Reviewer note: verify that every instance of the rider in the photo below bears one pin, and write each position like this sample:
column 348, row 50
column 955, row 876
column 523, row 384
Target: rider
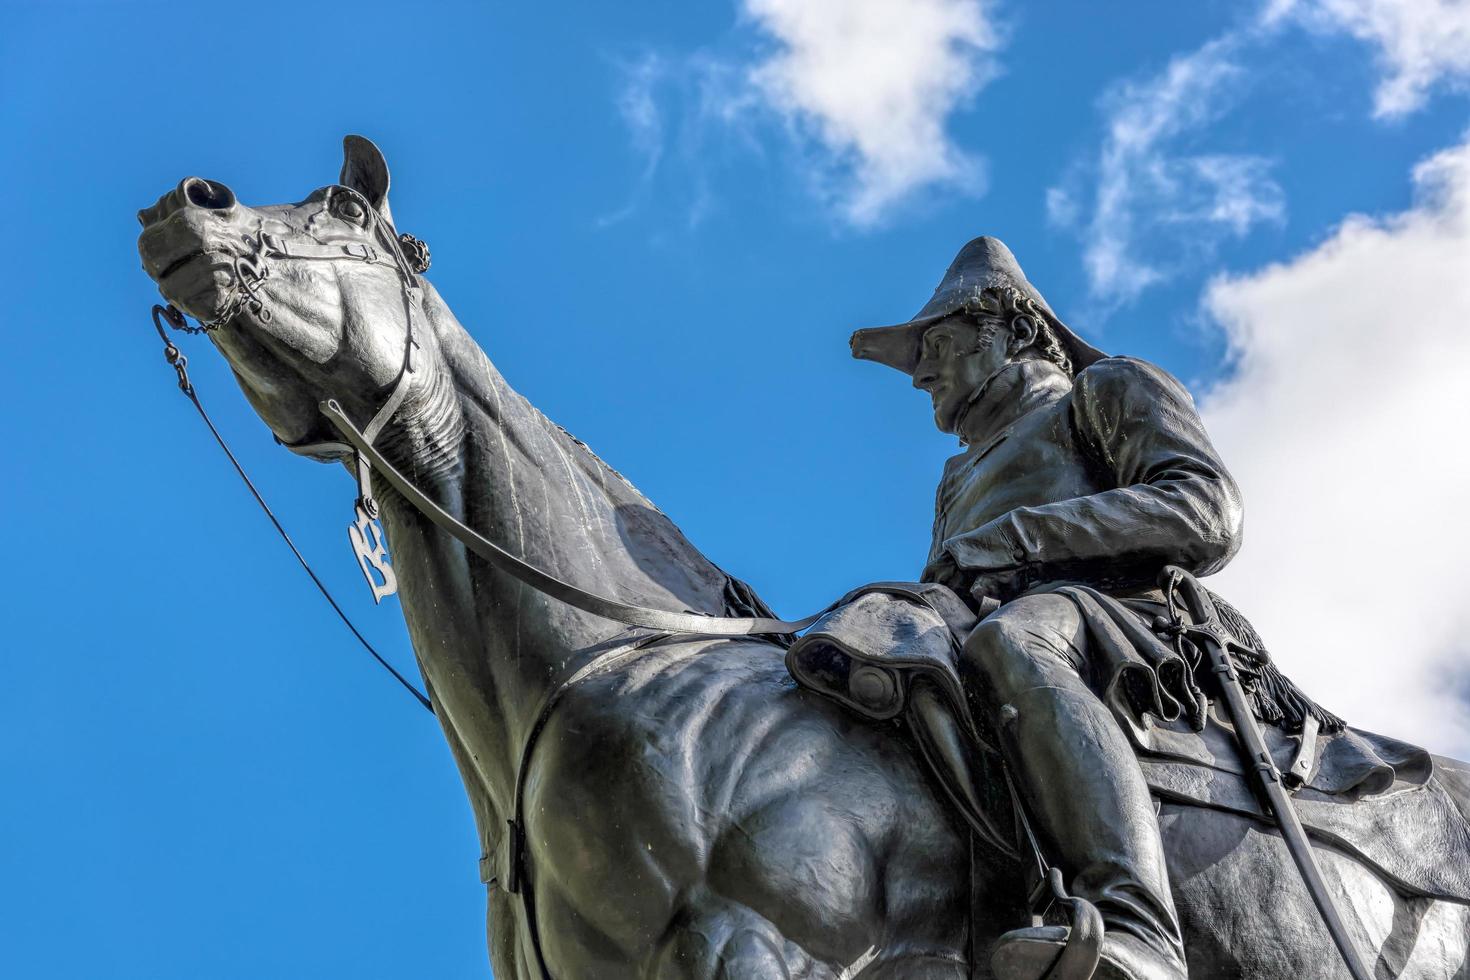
column 1082, row 476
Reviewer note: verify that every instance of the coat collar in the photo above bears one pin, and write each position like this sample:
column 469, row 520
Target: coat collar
column 1020, row 390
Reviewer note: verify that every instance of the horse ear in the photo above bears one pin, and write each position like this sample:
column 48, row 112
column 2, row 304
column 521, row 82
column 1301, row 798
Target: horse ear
column 365, row 171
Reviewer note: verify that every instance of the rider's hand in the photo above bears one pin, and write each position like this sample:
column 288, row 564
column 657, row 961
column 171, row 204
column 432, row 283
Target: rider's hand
column 1001, row 585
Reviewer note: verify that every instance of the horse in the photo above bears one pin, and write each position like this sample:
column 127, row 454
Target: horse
column 681, row 810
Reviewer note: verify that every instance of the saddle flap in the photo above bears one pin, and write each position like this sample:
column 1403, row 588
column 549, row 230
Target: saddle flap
column 865, row 652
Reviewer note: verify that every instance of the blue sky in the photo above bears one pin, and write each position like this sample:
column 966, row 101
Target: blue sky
column 662, row 220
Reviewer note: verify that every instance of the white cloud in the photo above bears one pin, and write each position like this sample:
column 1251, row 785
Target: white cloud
column 865, row 87
column 1420, row 42
column 1153, row 206
column 1345, row 422
column 873, row 83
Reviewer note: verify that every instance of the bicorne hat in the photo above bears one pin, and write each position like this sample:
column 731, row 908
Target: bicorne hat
column 984, row 263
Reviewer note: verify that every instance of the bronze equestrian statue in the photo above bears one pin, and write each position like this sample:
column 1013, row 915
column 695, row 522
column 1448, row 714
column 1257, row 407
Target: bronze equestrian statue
column 655, row 803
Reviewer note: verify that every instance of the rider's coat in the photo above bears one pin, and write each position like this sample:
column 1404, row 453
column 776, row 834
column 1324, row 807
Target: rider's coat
column 1102, row 483
column 1089, row 488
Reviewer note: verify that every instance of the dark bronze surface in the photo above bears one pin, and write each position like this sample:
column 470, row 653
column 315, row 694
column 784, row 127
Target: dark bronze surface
column 685, row 810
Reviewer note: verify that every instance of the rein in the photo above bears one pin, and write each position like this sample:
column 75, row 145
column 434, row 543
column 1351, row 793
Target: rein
column 251, row 271
column 180, row 364
column 545, row 582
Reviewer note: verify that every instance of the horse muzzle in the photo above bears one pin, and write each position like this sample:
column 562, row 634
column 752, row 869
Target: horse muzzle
column 189, row 244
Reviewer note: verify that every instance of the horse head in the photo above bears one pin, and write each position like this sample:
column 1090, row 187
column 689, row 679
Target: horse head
column 306, row 301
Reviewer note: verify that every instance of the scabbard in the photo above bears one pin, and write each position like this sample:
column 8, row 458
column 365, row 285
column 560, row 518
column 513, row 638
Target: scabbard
column 1214, row 641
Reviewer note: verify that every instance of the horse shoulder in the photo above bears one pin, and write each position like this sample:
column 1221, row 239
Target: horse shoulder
column 701, row 766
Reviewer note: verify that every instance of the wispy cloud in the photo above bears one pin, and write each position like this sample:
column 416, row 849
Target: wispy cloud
column 1344, row 422
column 689, row 110
column 860, row 91
column 1420, row 43
column 639, row 111
column 1146, row 208
column 1143, row 207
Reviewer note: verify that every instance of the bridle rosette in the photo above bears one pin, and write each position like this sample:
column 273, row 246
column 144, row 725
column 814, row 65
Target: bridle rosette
column 415, row 252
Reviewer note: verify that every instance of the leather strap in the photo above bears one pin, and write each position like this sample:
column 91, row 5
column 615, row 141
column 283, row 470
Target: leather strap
column 544, row 582
column 412, row 297
column 515, row 880
column 361, row 251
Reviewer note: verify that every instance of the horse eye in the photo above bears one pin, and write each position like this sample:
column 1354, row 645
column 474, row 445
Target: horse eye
column 350, row 210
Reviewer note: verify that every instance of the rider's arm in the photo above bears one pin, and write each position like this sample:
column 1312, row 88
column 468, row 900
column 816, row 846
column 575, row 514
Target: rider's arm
column 1173, row 502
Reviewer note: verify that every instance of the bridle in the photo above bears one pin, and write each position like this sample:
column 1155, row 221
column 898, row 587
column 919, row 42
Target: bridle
column 387, row 252
column 251, row 270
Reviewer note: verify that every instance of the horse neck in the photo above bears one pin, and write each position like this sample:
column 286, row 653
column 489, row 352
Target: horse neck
column 492, row 648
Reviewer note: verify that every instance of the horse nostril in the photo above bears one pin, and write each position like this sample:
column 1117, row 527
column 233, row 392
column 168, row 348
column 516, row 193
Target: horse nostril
column 207, row 194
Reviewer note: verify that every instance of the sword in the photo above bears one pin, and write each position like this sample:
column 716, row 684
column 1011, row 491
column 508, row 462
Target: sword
column 1215, row 642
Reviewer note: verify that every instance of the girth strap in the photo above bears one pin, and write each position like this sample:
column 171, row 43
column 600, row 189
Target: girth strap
column 516, row 881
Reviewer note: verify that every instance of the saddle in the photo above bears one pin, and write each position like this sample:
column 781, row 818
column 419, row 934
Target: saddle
column 1392, row 806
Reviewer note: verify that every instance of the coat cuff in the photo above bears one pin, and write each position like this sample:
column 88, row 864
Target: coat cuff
column 986, row 549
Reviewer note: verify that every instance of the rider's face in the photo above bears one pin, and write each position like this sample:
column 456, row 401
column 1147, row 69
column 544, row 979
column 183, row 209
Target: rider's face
column 956, row 357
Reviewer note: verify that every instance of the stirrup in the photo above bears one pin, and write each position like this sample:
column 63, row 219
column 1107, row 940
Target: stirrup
column 1041, row 952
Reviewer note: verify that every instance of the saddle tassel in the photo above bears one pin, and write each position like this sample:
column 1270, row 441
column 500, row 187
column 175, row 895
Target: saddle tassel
column 1275, row 698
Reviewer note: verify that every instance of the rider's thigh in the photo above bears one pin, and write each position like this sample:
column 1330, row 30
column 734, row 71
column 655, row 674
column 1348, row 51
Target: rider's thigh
column 1033, row 641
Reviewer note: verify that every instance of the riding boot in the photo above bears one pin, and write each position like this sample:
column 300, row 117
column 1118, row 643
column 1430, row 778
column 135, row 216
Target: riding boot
column 1088, row 800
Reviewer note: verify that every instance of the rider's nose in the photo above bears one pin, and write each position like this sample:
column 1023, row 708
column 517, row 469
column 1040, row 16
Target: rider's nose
column 192, row 192
column 924, row 379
